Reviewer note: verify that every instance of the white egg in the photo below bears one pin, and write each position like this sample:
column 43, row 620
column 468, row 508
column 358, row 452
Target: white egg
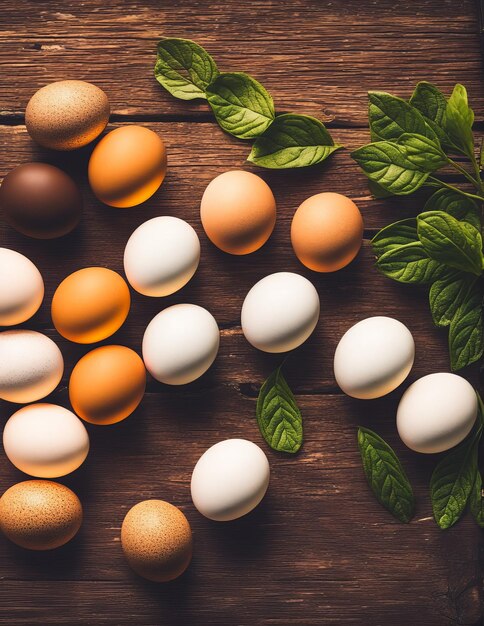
column 436, row 412
column 373, row 357
column 21, row 288
column 31, row 366
column 161, row 256
column 180, row 344
column 45, row 440
column 230, row 479
column 280, row 312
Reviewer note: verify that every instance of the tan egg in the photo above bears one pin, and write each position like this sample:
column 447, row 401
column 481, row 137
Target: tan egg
column 40, row 514
column 107, row 384
column 238, row 212
column 326, row 232
column 67, row 114
column 90, row 305
column 157, row 540
column 127, row 166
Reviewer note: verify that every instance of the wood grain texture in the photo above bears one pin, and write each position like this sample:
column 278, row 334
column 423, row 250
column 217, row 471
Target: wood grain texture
column 319, row 549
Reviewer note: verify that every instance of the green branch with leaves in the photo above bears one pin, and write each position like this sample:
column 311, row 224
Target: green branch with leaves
column 442, row 247
column 242, row 107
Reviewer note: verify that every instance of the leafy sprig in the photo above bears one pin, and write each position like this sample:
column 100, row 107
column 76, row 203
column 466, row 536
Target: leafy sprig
column 443, row 246
column 242, row 107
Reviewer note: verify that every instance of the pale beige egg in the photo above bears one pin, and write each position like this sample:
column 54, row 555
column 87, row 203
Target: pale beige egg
column 67, row 114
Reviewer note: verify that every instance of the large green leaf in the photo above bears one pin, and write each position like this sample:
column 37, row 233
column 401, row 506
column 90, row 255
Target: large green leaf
column 461, row 207
column 447, row 294
column 385, row 475
column 409, row 263
column 456, row 244
column 466, row 332
column 184, row 68
column 242, row 106
column 395, row 235
column 423, row 152
column 387, row 164
column 432, row 104
column 292, row 141
column 391, row 117
column 278, row 415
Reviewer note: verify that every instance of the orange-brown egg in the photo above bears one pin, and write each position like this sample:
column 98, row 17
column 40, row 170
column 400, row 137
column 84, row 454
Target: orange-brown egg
column 90, row 305
column 107, row 384
column 127, row 166
column 326, row 232
column 238, row 212
column 40, row 514
column 157, row 540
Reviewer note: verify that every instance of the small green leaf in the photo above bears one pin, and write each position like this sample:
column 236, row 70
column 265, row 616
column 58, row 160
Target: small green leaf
column 456, row 244
column 278, row 415
column 447, row 294
column 459, row 118
column 387, row 164
column 466, row 332
column 385, row 475
column 184, row 68
column 481, row 155
column 391, row 117
column 452, row 481
column 242, row 106
column 395, row 235
column 476, row 500
column 292, row 141
column 429, row 101
column 455, row 204
column 423, row 152
column 409, row 263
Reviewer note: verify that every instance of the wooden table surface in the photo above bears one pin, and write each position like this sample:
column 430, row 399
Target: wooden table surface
column 319, row 549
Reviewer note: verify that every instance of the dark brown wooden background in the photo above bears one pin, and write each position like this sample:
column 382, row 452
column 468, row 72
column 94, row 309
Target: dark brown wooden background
column 319, row 549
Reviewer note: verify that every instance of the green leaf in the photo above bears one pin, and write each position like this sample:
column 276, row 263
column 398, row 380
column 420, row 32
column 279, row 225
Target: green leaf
column 184, row 68
column 387, row 164
column 391, row 117
column 447, row 294
column 481, row 156
column 377, row 190
column 241, row 105
column 476, row 500
column 455, row 204
column 409, row 263
column 430, row 101
column 459, row 118
column 466, row 332
column 278, row 415
column 456, row 244
column 395, row 235
column 423, row 152
column 385, row 475
column 292, row 141
column 452, row 481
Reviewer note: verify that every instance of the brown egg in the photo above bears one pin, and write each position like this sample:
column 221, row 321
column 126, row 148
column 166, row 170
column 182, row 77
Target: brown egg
column 67, row 114
column 238, row 212
column 326, row 232
column 107, row 384
column 90, row 305
column 40, row 514
column 157, row 540
column 127, row 166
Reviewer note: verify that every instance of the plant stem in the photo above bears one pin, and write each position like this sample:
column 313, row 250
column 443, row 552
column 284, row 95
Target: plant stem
column 461, row 191
column 477, row 184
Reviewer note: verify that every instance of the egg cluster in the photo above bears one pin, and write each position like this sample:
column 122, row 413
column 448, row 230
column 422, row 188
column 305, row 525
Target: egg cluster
column 279, row 313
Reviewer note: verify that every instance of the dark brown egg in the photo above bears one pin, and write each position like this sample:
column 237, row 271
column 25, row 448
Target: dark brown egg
column 40, row 201
column 40, row 514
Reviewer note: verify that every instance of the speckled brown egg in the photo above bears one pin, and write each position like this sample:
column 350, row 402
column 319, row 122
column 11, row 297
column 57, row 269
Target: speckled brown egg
column 67, row 114
column 157, row 540
column 40, row 514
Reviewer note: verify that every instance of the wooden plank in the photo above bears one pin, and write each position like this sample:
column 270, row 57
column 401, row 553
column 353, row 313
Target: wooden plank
column 318, row 540
column 345, row 50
